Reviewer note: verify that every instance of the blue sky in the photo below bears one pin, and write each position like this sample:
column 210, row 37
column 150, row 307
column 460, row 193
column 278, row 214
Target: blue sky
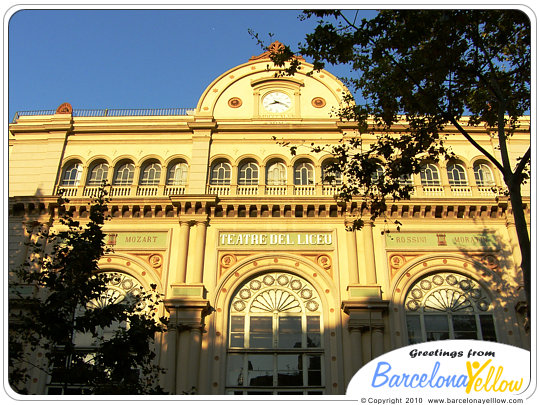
column 133, row 58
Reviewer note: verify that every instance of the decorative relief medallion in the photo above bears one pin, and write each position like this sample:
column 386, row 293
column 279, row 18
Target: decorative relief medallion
column 155, row 260
column 228, row 260
column 318, row 102
column 324, row 261
column 235, row 102
column 396, row 261
column 490, row 261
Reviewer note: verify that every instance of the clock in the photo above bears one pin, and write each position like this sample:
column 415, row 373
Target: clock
column 276, row 102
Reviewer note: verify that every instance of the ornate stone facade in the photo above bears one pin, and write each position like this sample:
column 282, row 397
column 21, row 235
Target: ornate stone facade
column 266, row 290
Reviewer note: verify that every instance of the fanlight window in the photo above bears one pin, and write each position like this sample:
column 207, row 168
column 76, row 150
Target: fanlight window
column 304, row 174
column 221, row 174
column 276, row 174
column 248, row 175
column 483, row 175
column 429, row 175
column 150, row 175
column 275, row 337
column 98, row 174
column 124, row 174
column 448, row 306
column 177, row 174
column 456, row 175
column 120, row 288
column 72, row 175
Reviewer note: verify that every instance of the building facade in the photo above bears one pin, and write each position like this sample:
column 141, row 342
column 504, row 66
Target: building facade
column 266, row 290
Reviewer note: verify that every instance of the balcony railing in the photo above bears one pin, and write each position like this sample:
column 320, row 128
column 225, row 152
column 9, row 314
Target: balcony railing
column 433, row 191
column 219, row 189
column 276, row 190
column 247, row 190
column 304, row 190
column 175, row 190
column 120, row 191
column 112, row 112
column 319, row 190
column 488, row 191
column 147, row 191
column 461, row 191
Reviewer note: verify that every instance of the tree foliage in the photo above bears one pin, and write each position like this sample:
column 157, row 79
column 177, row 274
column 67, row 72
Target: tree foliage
column 429, row 68
column 70, row 302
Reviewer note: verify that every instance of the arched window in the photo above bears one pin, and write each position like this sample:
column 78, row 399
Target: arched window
column 448, row 306
column 483, row 175
column 72, row 174
column 120, row 287
column 331, row 174
column 377, row 174
column 98, row 174
column 150, row 174
column 177, row 174
column 275, row 337
column 276, row 174
column 248, row 174
column 429, row 175
column 124, row 174
column 220, row 174
column 304, row 174
column 456, row 175
column 406, row 180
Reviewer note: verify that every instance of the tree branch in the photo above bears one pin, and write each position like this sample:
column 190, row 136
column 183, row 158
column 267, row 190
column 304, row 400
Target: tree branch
column 523, row 162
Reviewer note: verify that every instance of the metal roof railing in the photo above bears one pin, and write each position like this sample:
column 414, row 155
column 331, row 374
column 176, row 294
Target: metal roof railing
column 113, row 112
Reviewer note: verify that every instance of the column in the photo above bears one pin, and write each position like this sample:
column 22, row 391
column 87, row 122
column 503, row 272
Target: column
column 514, row 244
column 200, row 243
column 355, row 331
column 369, row 252
column 352, row 254
column 169, row 365
column 183, row 252
column 377, row 341
column 194, row 357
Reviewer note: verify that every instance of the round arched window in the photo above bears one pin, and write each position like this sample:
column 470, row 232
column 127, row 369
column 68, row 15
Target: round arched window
column 429, row 175
column 98, row 174
column 220, row 174
column 275, row 337
column 448, row 306
column 248, row 174
column 456, row 175
column 72, row 174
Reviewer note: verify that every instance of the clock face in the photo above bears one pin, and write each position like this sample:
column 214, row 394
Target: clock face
column 276, row 102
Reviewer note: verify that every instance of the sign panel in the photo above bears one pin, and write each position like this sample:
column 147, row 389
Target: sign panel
column 137, row 240
column 457, row 240
column 276, row 239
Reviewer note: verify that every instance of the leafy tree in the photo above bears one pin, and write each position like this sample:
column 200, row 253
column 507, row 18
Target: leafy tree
column 70, row 303
column 432, row 67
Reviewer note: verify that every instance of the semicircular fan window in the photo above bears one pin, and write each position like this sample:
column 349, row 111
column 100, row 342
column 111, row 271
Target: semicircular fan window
column 120, row 287
column 448, row 306
column 275, row 337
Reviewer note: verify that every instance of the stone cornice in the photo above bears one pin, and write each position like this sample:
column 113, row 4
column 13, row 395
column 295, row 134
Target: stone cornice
column 205, row 206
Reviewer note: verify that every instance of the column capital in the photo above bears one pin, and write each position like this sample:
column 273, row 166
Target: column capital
column 187, row 313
